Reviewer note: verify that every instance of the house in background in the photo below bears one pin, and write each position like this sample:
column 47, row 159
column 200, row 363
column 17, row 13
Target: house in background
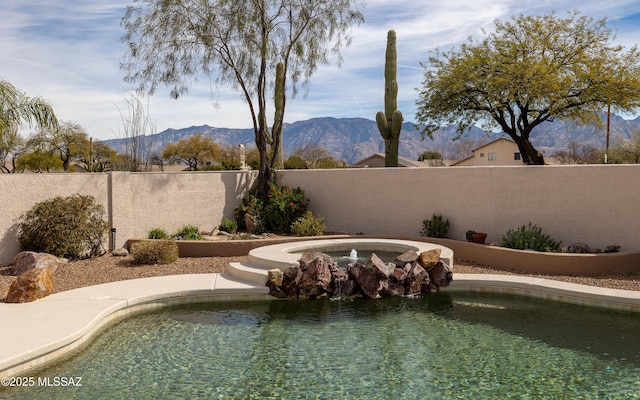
column 501, row 151
column 377, row 161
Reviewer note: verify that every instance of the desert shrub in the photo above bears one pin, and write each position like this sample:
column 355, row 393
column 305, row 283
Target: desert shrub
column 576, row 248
column 308, row 225
column 612, row 248
column 154, row 252
column 436, row 227
column 157, row 233
column 529, row 237
column 72, row 227
column 275, row 214
column 188, row 232
column 228, row 225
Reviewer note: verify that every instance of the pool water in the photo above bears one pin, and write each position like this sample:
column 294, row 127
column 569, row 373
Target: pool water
column 440, row 346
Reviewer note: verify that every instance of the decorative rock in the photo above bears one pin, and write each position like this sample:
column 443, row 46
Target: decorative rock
column 290, row 280
column 275, row 276
column 344, row 286
column 309, row 258
column 276, row 291
column 406, row 258
column 316, row 278
column 251, row 222
column 317, row 275
column 369, row 281
column 578, row 248
column 417, row 279
column 121, row 252
column 395, row 284
column 429, row 258
column 30, row 286
column 440, row 275
column 27, row 260
column 378, row 267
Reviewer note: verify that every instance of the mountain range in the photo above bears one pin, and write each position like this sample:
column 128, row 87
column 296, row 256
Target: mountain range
column 352, row 139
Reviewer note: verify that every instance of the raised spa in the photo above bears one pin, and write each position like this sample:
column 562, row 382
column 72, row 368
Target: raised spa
column 283, row 255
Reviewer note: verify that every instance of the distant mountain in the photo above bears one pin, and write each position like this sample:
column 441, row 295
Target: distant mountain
column 352, row 139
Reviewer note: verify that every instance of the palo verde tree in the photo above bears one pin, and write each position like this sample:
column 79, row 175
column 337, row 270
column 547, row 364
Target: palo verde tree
column 528, row 71
column 239, row 44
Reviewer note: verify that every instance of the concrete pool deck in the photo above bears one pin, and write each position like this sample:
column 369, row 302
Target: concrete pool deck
column 42, row 331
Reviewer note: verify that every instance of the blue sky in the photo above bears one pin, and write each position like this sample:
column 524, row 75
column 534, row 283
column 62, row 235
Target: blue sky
column 68, row 52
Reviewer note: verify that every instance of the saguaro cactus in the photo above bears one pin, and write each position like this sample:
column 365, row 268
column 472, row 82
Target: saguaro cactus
column 390, row 121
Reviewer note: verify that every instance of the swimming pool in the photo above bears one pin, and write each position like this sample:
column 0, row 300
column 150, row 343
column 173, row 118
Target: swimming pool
column 445, row 345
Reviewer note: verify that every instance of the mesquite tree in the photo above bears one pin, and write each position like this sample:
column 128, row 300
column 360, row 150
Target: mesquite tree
column 528, row 71
column 237, row 43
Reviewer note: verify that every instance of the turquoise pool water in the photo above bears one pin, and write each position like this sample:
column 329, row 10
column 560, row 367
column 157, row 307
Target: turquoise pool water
column 440, row 346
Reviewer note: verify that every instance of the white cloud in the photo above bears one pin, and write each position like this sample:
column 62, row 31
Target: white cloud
column 68, row 52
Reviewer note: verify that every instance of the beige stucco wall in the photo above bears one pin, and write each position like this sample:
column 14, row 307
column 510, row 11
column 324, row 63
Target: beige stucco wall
column 594, row 204
column 19, row 192
column 142, row 201
column 135, row 202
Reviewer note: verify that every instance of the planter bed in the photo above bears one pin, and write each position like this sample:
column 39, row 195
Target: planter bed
column 230, row 248
column 535, row 262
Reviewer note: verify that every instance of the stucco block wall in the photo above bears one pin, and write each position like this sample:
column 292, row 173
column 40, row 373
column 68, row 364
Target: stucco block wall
column 595, row 204
column 134, row 202
column 20, row 192
column 142, row 201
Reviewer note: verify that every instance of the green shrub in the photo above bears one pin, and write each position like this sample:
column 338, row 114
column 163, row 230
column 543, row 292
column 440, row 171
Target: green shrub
column 188, row 232
column 72, row 227
column 275, row 214
column 157, row 233
column 436, row 227
column 228, row 225
column 308, row 225
column 154, row 252
column 529, row 237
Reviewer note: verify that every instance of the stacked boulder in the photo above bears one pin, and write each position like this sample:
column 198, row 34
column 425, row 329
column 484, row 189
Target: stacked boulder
column 317, row 275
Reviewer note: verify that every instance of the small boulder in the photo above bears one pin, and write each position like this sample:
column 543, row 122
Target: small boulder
column 429, row 258
column 309, row 258
column 378, row 267
column 395, row 286
column 578, row 248
column 251, row 223
column 275, row 276
column 121, row 252
column 405, row 258
column 344, row 286
column 370, row 282
column 290, row 280
column 417, row 279
column 30, row 286
column 276, row 291
column 28, row 260
column 316, row 278
column 440, row 275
